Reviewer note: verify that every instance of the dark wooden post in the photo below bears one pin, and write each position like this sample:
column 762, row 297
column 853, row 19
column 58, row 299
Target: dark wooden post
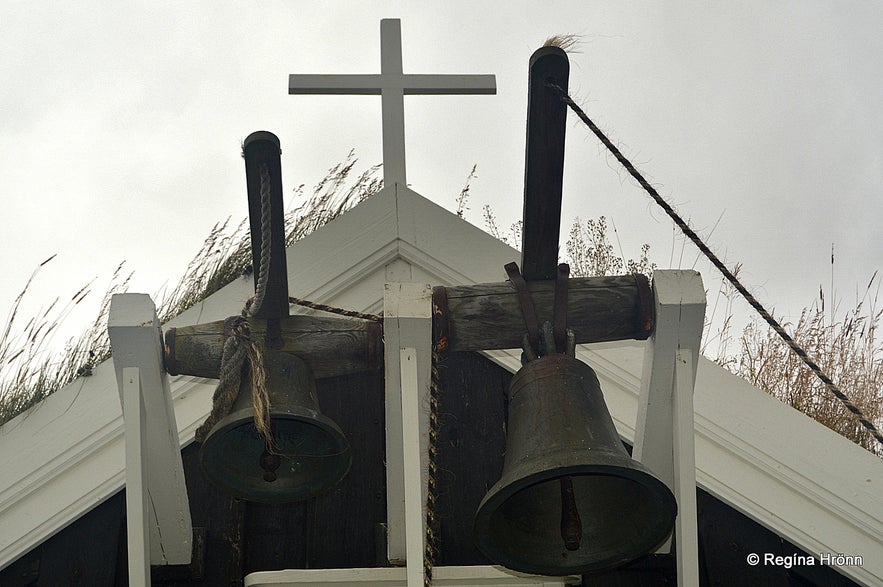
column 332, row 346
column 544, row 164
column 262, row 148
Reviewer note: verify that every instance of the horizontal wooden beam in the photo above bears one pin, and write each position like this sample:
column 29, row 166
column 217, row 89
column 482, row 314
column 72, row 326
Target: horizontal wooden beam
column 332, row 346
column 488, row 316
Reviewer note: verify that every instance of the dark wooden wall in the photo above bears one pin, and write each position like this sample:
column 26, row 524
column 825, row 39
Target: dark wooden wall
column 341, row 528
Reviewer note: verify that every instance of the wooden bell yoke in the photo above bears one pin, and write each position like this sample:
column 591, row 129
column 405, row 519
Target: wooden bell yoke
column 466, row 318
column 600, row 309
column 330, row 345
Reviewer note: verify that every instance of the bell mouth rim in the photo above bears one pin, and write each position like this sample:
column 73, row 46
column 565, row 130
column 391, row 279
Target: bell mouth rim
column 342, row 456
column 501, row 492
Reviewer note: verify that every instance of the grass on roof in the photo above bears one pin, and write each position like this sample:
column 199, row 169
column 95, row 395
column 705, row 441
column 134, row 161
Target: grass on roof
column 31, row 365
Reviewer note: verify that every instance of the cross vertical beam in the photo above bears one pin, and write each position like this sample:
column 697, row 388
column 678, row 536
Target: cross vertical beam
column 392, row 103
column 392, row 84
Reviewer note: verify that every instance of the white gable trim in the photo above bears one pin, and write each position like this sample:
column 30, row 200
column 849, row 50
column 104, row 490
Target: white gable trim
column 774, row 464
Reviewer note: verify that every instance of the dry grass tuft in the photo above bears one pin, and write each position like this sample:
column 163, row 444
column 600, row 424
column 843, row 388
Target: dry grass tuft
column 590, row 252
column 848, row 351
column 567, row 43
column 31, row 365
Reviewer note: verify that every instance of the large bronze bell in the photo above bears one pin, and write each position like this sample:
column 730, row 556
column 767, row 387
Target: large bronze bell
column 311, row 454
column 570, row 499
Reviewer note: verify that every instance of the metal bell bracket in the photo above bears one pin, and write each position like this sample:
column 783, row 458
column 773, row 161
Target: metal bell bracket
column 552, row 337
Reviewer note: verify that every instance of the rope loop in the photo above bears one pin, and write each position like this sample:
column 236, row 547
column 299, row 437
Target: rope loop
column 242, row 357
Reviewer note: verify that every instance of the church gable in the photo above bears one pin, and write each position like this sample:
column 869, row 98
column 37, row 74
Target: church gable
column 816, row 491
column 342, row 529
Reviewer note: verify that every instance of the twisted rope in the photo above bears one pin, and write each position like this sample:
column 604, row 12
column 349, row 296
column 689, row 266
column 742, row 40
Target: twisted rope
column 430, row 552
column 260, row 288
column 241, row 355
column 729, row 275
column 333, row 310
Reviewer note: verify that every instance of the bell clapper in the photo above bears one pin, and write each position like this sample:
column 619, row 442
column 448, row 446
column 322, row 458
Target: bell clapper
column 571, row 525
column 269, row 463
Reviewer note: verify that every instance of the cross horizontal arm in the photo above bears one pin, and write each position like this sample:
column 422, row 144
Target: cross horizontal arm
column 449, row 84
column 373, row 84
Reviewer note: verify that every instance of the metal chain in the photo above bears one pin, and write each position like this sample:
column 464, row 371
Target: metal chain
column 729, row 275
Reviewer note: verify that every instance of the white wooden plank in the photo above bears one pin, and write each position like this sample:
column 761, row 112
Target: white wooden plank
column 135, row 341
column 413, row 467
column 137, row 511
column 679, row 303
column 680, row 312
column 477, row 576
column 687, row 522
column 407, row 323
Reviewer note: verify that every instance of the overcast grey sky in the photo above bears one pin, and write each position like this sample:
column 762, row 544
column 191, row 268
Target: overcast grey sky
column 122, row 124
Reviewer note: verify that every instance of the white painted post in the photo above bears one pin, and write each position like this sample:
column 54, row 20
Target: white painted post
column 411, row 439
column 137, row 523
column 664, row 430
column 392, row 84
column 407, row 323
column 686, row 531
column 135, row 340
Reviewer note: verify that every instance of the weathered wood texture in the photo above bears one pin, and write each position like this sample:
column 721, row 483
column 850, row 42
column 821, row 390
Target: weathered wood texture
column 472, row 415
column 544, row 163
column 262, row 148
column 331, row 346
column 488, row 316
column 84, row 553
column 335, row 529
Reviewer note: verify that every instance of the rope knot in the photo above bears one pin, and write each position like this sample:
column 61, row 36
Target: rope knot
column 242, row 363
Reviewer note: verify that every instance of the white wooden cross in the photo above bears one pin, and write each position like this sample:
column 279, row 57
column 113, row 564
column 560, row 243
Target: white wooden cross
column 392, row 85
